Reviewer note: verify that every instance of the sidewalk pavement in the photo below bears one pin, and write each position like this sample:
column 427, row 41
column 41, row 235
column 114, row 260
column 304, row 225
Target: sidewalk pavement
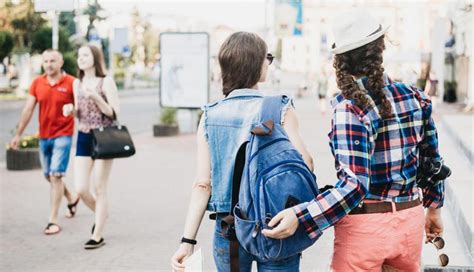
column 457, row 147
column 148, row 200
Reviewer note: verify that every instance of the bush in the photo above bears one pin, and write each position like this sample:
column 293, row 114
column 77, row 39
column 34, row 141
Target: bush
column 70, row 64
column 42, row 40
column 27, row 141
column 168, row 116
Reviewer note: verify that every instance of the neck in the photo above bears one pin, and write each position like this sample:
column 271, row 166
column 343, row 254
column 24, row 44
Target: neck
column 52, row 78
column 255, row 87
column 89, row 73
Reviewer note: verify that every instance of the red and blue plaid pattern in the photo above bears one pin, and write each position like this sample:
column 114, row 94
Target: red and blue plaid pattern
column 375, row 158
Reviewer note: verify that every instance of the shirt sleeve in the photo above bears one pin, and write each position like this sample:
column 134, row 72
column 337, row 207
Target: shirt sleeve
column 433, row 197
column 352, row 144
column 33, row 88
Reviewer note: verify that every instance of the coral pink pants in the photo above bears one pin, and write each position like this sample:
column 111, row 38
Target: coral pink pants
column 365, row 242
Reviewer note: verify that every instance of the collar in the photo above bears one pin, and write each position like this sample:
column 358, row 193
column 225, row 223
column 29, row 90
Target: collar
column 244, row 92
column 362, row 82
column 61, row 79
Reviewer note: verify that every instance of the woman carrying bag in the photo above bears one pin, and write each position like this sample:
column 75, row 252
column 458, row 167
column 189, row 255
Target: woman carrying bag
column 244, row 62
column 97, row 105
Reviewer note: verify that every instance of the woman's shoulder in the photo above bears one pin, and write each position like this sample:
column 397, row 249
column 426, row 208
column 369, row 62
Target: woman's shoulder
column 108, row 80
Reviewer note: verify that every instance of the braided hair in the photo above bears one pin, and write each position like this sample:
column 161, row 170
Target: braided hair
column 363, row 61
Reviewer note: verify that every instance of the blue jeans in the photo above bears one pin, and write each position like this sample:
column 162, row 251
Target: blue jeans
column 54, row 155
column 222, row 259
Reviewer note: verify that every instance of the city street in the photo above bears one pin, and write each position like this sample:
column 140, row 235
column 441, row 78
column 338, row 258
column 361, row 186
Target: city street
column 148, row 199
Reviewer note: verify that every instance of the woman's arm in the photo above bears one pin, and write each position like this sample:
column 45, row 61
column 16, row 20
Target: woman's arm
column 75, row 92
column 291, row 127
column 201, row 192
column 352, row 144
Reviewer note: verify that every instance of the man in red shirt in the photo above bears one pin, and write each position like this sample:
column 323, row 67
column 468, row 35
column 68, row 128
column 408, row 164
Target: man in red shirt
column 52, row 91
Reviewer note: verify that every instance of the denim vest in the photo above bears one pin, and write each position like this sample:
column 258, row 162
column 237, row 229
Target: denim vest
column 227, row 124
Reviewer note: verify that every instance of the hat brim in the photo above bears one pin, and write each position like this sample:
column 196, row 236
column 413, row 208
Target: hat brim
column 351, row 46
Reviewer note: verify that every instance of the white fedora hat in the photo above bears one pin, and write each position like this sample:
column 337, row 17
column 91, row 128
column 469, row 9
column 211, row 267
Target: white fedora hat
column 355, row 29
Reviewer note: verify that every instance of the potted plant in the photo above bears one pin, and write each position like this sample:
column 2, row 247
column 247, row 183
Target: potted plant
column 168, row 125
column 450, row 91
column 26, row 157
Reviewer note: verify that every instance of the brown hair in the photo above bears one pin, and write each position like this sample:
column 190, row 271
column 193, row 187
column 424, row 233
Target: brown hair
column 241, row 57
column 99, row 62
column 363, row 61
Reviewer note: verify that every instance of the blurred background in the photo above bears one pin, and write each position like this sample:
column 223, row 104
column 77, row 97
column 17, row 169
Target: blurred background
column 429, row 41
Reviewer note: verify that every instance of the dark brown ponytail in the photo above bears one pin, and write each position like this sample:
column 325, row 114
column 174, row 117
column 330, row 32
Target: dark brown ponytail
column 363, row 61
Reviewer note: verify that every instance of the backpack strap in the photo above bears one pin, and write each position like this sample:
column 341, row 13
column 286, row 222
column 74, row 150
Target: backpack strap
column 271, row 109
column 227, row 223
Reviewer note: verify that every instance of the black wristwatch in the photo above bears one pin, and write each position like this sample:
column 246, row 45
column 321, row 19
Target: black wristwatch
column 188, row 241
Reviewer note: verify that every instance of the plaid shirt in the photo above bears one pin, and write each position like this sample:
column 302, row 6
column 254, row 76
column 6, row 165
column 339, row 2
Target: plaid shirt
column 375, row 159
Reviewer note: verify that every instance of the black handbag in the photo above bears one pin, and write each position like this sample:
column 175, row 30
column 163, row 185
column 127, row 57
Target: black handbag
column 112, row 142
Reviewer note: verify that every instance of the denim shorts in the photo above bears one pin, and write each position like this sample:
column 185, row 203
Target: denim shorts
column 54, row 155
column 84, row 144
column 222, row 257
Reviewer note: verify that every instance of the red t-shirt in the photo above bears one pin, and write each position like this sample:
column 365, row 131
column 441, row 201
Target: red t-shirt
column 51, row 100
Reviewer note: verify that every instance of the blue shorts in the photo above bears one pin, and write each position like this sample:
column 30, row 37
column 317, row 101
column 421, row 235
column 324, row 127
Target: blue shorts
column 84, row 144
column 54, row 155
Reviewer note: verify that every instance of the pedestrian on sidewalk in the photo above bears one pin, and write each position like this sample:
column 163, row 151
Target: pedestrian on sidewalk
column 96, row 105
column 52, row 91
column 323, row 86
column 244, row 62
column 377, row 128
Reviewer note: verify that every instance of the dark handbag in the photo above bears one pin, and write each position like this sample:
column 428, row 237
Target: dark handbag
column 112, row 142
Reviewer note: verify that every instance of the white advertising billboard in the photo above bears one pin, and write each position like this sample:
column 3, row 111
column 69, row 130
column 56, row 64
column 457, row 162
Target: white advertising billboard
column 54, row 5
column 184, row 73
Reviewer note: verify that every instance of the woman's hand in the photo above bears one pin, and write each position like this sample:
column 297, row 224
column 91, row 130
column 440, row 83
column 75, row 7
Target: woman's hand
column 184, row 251
column 286, row 224
column 433, row 224
column 68, row 109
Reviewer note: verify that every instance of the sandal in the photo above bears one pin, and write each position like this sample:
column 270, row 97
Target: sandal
column 46, row 230
column 72, row 208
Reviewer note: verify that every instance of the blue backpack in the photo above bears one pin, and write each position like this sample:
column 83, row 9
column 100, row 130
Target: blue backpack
column 273, row 176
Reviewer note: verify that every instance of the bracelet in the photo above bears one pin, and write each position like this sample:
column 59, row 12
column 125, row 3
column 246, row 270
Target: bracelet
column 188, row 241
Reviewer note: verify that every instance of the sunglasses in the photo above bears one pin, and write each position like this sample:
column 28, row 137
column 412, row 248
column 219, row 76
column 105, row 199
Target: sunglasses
column 270, row 58
column 439, row 243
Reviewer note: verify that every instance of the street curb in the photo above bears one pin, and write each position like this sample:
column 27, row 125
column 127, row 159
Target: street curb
column 432, row 268
column 452, row 202
column 454, row 206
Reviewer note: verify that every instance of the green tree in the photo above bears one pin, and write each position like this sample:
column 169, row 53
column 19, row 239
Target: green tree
column 24, row 22
column 6, row 44
column 42, row 40
column 66, row 20
column 70, row 64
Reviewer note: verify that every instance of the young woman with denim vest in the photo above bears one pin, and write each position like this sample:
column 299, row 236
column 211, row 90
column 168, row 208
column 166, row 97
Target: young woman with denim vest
column 381, row 131
column 96, row 105
column 223, row 128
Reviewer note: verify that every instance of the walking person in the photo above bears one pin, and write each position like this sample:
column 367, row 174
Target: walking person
column 244, row 61
column 52, row 91
column 381, row 132
column 323, row 88
column 96, row 105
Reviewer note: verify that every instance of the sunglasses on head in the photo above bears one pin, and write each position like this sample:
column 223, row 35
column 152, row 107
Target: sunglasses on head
column 270, row 58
